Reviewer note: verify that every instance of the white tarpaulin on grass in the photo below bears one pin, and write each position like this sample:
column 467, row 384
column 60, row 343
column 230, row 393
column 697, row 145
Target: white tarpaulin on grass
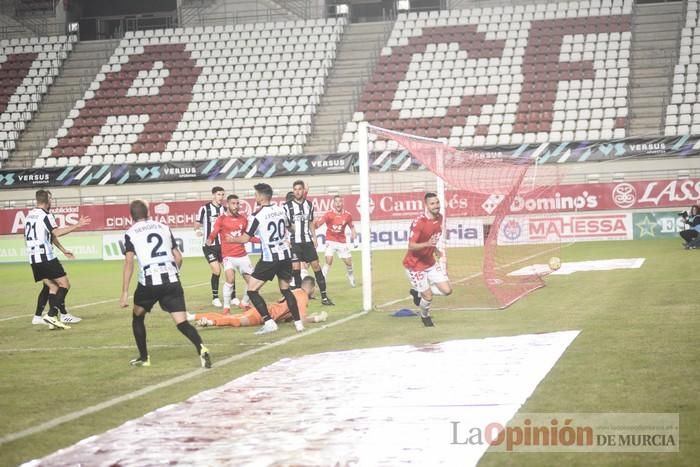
column 371, row 407
column 581, row 266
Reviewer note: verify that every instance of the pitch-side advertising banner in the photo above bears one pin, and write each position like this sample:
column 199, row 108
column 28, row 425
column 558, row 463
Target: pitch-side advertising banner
column 83, row 246
column 553, row 228
column 387, row 206
column 657, row 224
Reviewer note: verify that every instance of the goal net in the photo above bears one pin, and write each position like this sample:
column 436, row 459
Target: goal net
column 492, row 253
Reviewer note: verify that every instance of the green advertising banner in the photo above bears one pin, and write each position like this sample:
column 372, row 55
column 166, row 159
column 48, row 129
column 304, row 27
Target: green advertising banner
column 657, row 224
column 83, row 246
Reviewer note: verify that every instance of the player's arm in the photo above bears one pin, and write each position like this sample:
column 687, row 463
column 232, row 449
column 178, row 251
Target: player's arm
column 215, row 230
column 177, row 255
column 57, row 242
column 61, row 231
column 197, row 226
column 353, row 232
column 312, row 226
column 126, row 278
column 414, row 244
column 245, row 237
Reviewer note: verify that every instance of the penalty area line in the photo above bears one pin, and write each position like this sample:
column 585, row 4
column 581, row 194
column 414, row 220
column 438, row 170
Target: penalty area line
column 101, row 302
column 164, row 384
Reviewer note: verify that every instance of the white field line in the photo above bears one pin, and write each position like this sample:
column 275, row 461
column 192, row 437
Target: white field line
column 169, row 382
column 116, row 347
column 101, row 302
column 475, row 275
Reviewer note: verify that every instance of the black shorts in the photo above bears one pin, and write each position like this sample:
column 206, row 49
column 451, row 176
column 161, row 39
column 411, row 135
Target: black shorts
column 212, row 253
column 305, row 252
column 48, row 270
column 170, row 297
column 267, row 270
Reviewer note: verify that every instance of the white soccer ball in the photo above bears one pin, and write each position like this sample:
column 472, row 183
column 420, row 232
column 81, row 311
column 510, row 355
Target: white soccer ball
column 554, row 263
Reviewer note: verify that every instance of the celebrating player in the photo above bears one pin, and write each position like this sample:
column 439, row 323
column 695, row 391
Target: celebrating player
column 300, row 213
column 278, row 311
column 235, row 258
column 270, row 223
column 40, row 231
column 421, row 268
column 154, row 247
column 336, row 221
column 206, row 218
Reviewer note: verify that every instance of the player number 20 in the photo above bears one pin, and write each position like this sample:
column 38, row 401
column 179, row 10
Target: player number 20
column 277, row 230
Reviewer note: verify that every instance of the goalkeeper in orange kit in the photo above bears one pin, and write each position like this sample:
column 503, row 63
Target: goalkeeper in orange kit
column 278, row 311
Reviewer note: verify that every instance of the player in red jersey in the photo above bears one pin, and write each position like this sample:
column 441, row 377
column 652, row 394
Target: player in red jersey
column 421, row 268
column 336, row 220
column 235, row 257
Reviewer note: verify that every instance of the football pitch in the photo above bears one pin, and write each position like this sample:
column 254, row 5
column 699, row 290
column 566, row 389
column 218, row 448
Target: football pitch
column 637, row 351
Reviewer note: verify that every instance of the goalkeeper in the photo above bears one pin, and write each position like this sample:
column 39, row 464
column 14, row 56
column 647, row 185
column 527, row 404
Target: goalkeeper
column 278, row 311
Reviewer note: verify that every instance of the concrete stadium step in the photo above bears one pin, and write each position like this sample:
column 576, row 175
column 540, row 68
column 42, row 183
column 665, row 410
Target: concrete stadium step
column 69, row 86
column 654, row 51
column 354, row 63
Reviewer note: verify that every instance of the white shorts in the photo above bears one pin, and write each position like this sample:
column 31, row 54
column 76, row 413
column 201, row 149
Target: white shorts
column 421, row 280
column 337, row 247
column 241, row 264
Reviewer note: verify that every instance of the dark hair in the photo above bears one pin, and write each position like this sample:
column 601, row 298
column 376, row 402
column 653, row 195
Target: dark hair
column 42, row 196
column 299, row 182
column 337, row 196
column 230, row 197
column 264, row 189
column 430, row 194
column 309, row 279
column 138, row 210
column 216, row 189
column 290, row 196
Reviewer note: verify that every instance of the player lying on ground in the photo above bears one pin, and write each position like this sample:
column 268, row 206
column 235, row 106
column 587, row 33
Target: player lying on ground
column 421, row 268
column 278, row 311
column 40, row 233
column 235, row 257
column 153, row 246
column 336, row 220
column 270, row 224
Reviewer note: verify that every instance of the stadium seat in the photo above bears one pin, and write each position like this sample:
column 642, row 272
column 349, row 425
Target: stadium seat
column 193, row 91
column 499, row 82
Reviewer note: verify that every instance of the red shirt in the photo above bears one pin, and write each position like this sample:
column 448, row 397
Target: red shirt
column 236, row 226
column 423, row 229
column 335, row 225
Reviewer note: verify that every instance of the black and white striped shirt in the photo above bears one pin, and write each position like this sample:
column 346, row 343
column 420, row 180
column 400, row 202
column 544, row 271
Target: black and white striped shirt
column 152, row 243
column 300, row 216
column 206, row 216
column 37, row 234
column 270, row 224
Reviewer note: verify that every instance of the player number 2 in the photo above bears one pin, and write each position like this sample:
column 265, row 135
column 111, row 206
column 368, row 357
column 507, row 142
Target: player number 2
column 276, row 230
column 159, row 243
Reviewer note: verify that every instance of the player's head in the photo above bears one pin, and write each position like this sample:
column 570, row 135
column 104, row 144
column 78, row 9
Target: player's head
column 308, row 285
column 299, row 190
column 138, row 210
column 694, row 210
column 233, row 204
column 43, row 198
column 432, row 203
column 338, row 203
column 263, row 193
column 290, row 196
column 217, row 194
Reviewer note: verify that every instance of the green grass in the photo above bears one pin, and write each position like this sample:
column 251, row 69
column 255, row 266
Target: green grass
column 637, row 351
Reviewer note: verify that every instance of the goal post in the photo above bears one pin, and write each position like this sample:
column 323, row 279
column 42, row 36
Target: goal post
column 490, row 258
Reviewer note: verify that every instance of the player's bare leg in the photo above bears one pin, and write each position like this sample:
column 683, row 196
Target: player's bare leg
column 215, row 275
column 184, row 326
column 259, row 304
column 321, row 281
column 349, row 272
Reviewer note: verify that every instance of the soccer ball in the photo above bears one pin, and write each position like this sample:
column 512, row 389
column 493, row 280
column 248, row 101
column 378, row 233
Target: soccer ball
column 554, row 263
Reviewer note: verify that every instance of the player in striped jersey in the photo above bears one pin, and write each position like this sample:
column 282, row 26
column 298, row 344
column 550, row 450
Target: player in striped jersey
column 270, row 223
column 206, row 218
column 300, row 212
column 336, row 220
column 40, row 232
column 153, row 246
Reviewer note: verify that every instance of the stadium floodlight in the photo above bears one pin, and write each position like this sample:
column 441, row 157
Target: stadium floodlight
column 403, row 5
column 342, row 10
column 73, row 28
column 492, row 246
